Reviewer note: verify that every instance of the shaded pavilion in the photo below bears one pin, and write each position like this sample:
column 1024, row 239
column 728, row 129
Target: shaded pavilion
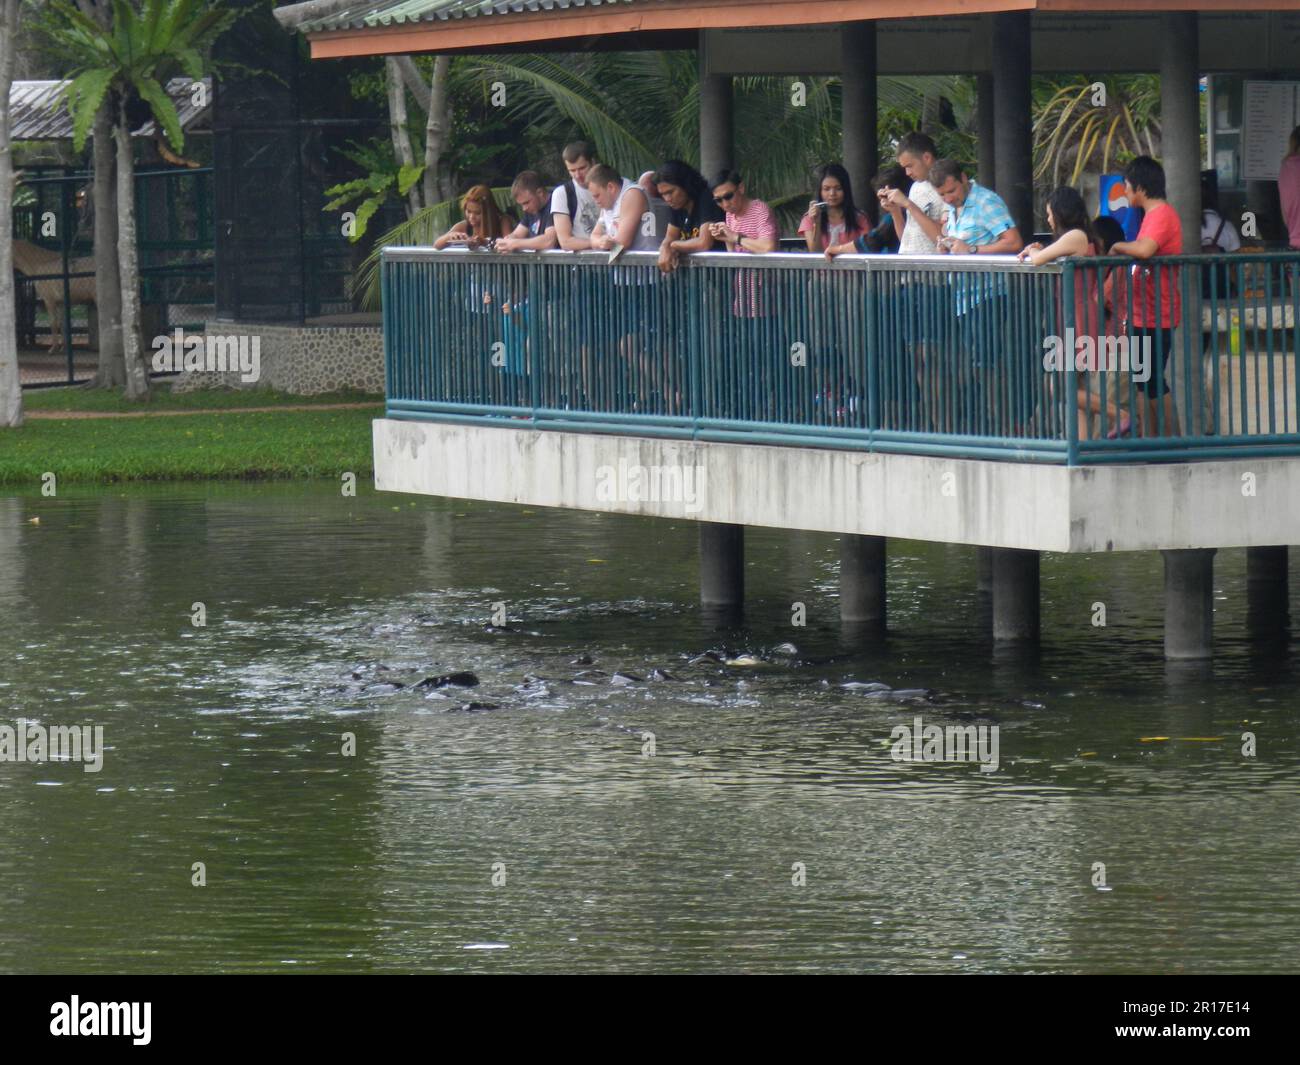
column 1002, row 42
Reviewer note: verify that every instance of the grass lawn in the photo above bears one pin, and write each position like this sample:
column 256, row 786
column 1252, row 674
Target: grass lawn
column 271, row 444
column 161, row 398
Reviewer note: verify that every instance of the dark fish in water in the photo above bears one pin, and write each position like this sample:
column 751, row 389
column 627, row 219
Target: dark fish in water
column 911, row 693
column 623, row 680
column 460, row 680
column 659, row 674
column 581, row 660
column 866, row 686
column 587, row 674
column 384, row 687
column 470, row 708
column 785, row 649
column 707, row 656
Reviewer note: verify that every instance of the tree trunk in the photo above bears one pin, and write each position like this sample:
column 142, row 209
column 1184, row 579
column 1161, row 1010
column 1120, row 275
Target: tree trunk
column 108, row 283
column 110, row 373
column 412, row 80
column 11, row 392
column 397, row 126
column 435, row 130
column 137, row 376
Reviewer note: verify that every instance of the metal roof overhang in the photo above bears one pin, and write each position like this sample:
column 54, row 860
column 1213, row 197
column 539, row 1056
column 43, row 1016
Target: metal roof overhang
column 390, row 27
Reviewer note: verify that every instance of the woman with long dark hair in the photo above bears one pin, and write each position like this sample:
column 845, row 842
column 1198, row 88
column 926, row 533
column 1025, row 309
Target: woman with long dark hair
column 690, row 201
column 833, row 221
column 1071, row 226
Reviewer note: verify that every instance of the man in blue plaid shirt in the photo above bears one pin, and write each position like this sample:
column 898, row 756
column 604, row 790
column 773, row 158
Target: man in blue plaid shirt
column 978, row 223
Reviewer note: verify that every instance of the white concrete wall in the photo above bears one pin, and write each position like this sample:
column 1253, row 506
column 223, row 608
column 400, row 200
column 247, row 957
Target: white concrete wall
column 997, row 504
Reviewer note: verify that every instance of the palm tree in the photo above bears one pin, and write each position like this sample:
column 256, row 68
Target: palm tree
column 11, row 392
column 1082, row 126
column 116, row 66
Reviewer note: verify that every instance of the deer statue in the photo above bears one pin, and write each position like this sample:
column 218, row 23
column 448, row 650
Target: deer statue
column 31, row 260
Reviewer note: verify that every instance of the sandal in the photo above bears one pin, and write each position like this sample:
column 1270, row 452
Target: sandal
column 1124, row 428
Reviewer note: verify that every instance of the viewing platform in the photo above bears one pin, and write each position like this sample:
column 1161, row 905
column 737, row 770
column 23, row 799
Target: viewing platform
column 872, row 396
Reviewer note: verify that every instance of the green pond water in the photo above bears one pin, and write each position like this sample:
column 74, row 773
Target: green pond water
column 224, row 745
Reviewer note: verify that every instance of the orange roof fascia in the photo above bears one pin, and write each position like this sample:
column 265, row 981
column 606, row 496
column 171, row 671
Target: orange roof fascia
column 1098, row 7
column 491, row 31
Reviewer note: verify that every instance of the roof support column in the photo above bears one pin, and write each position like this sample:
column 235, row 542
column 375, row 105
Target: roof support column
column 987, row 131
column 1180, row 144
column 858, row 104
column 1013, row 134
column 716, row 123
column 1180, row 120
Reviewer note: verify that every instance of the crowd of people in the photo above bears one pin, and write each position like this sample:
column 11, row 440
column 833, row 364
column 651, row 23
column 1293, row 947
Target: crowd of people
column 921, row 204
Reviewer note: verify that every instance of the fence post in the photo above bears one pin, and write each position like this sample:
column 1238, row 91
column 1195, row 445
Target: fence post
column 871, row 353
column 65, row 246
column 1071, row 384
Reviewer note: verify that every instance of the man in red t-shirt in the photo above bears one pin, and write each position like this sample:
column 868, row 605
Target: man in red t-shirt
column 1157, row 309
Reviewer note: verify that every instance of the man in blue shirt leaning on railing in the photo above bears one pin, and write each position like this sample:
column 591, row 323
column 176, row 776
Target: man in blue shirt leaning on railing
column 978, row 223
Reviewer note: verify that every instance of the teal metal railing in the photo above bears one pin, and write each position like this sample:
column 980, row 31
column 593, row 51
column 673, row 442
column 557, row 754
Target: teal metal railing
column 963, row 356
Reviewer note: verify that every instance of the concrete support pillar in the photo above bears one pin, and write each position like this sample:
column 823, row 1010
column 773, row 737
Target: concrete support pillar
column 1015, row 595
column 1013, row 133
column 1189, row 603
column 862, row 579
column 1267, row 565
column 1267, row 590
column 986, row 130
column 1180, row 120
column 716, row 123
column 984, row 570
column 858, row 104
column 722, row 564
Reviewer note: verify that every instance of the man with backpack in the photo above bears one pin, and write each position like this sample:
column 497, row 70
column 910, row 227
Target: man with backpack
column 1218, row 237
column 573, row 210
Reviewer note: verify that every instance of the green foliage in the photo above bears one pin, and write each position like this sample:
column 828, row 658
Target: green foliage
column 1074, row 133
column 369, row 192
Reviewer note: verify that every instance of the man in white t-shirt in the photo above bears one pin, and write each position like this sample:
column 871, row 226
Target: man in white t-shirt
column 573, row 210
column 918, row 219
column 918, row 213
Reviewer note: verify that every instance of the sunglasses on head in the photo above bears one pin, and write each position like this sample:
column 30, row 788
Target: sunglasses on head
column 724, row 197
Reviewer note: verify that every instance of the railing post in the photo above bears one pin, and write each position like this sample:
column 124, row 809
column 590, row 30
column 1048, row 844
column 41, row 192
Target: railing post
column 65, row 242
column 1070, row 404
column 872, row 349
